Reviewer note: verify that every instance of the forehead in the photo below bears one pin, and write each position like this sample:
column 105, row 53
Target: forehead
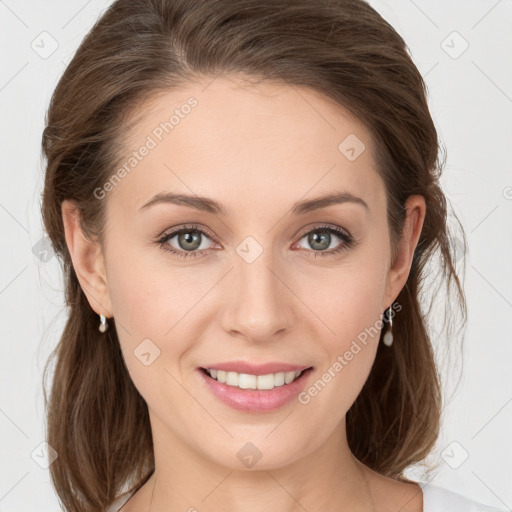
column 230, row 139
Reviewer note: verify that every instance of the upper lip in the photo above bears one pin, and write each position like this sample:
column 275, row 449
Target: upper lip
column 256, row 369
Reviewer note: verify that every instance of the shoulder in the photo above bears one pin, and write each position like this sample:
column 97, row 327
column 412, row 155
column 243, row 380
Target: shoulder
column 119, row 502
column 439, row 499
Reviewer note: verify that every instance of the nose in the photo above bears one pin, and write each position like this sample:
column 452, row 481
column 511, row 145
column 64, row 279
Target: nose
column 259, row 304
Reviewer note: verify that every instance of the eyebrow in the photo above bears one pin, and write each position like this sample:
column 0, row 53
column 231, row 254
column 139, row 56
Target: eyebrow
column 211, row 206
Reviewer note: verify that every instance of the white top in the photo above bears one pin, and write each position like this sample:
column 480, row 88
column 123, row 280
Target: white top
column 435, row 499
column 439, row 499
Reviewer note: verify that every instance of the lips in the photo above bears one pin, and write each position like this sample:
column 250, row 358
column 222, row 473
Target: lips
column 256, row 400
column 256, row 369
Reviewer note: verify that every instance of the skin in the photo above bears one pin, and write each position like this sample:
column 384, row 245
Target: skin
column 257, row 150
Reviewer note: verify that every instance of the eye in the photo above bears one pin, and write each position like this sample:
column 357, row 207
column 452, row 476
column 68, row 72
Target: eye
column 320, row 238
column 189, row 240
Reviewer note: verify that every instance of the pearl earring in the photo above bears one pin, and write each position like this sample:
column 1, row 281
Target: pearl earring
column 388, row 337
column 103, row 323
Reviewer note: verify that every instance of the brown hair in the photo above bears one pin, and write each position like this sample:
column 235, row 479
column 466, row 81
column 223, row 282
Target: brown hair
column 97, row 421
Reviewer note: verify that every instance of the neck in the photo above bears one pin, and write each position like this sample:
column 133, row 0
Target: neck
column 328, row 475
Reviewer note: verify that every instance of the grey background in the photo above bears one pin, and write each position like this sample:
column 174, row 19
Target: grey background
column 470, row 96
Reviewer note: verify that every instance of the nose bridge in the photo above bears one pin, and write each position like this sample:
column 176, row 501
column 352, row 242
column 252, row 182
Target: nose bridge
column 259, row 307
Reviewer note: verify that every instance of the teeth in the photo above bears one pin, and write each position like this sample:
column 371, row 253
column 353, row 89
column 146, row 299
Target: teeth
column 246, row 381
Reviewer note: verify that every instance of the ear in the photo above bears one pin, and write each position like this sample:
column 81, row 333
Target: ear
column 401, row 267
column 88, row 260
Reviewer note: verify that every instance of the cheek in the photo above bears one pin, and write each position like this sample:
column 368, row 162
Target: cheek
column 151, row 295
column 156, row 310
column 347, row 299
column 348, row 304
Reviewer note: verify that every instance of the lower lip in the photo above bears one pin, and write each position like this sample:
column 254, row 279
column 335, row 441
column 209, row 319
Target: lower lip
column 255, row 400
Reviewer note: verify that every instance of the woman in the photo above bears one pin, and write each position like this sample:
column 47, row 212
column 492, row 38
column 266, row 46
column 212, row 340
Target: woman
column 245, row 196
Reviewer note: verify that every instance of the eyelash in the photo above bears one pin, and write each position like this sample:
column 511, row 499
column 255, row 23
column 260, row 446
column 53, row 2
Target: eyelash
column 347, row 239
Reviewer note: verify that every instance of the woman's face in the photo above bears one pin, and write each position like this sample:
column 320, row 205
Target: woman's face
column 261, row 281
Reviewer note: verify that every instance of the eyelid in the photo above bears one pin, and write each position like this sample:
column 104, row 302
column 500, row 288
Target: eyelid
column 192, row 227
column 300, row 234
column 321, row 225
